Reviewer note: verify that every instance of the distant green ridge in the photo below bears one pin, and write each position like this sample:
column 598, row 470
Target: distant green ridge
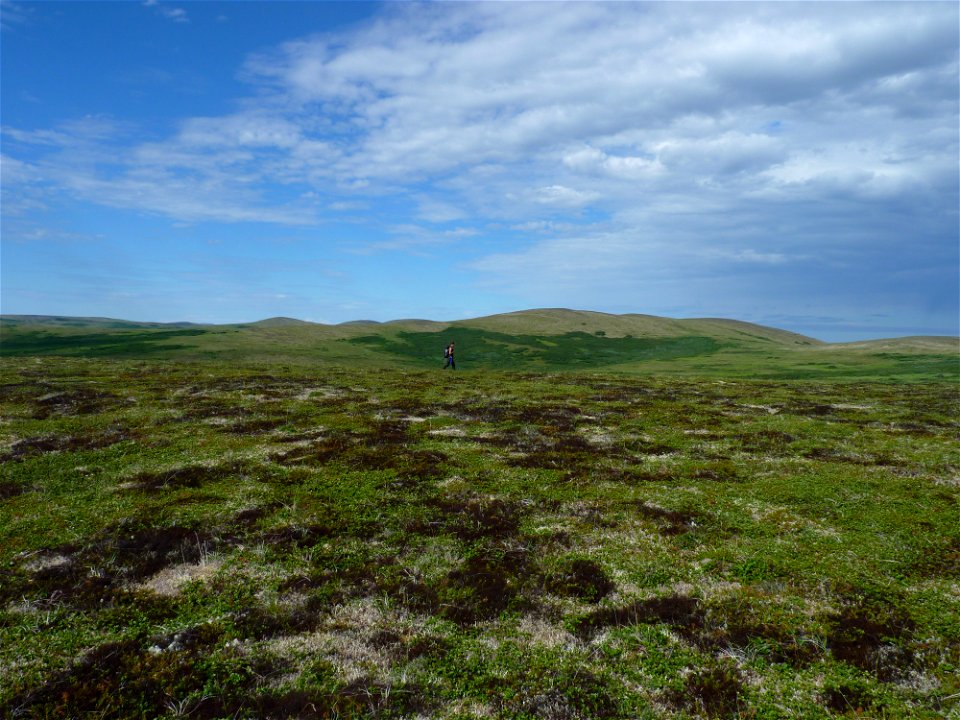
column 533, row 340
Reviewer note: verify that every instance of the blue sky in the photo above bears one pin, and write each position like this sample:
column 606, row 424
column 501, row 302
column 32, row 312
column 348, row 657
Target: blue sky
column 794, row 165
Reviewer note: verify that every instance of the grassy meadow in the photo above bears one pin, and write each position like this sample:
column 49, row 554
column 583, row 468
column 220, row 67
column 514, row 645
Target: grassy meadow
column 285, row 521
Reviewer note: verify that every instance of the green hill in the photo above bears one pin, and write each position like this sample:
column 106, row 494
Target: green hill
column 9, row 321
column 281, row 322
column 531, row 340
column 560, row 321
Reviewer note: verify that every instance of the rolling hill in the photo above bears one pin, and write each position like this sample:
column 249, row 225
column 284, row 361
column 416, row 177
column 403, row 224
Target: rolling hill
column 535, row 340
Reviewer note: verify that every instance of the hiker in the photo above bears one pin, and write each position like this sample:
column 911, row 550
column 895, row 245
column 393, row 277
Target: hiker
column 448, row 354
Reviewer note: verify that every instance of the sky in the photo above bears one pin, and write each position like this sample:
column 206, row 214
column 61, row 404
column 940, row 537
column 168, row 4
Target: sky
column 794, row 165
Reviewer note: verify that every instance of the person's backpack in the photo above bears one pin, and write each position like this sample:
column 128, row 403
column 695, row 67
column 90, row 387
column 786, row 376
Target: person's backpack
column 446, row 352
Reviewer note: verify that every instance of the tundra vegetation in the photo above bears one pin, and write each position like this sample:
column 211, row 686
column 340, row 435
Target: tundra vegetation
column 334, row 532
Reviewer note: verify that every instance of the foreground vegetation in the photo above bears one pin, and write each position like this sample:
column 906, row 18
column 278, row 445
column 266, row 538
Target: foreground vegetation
column 202, row 540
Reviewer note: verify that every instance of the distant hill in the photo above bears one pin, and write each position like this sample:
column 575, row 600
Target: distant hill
column 87, row 322
column 281, row 322
column 741, row 329
column 550, row 339
column 558, row 321
column 923, row 343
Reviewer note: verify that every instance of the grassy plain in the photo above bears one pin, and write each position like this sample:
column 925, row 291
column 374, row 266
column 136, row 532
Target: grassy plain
column 309, row 537
column 542, row 340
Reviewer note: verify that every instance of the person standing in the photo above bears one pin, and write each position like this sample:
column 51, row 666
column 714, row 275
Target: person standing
column 448, row 354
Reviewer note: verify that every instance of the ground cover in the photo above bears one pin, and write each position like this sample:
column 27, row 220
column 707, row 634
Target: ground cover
column 696, row 349
column 500, row 351
column 226, row 540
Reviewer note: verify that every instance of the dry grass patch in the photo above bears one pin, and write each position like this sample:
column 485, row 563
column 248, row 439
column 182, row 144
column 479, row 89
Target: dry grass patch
column 170, row 581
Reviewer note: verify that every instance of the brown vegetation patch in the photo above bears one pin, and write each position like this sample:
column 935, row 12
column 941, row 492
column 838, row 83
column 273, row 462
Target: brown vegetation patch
column 562, row 418
column 383, row 447
column 593, row 514
column 266, row 385
column 425, row 646
column 301, row 437
column 249, row 517
column 190, row 476
column 469, row 518
column 474, row 518
column 678, row 611
column 553, row 449
column 386, row 432
column 319, row 451
column 134, row 552
column 33, row 446
column 10, row 489
column 718, row 471
column 641, row 446
column 413, row 406
column 298, row 536
column 817, row 410
column 560, row 697
column 636, row 474
column 206, row 408
column 580, row 578
column 380, row 576
column 911, row 428
column 866, row 459
column 494, row 412
column 713, row 689
column 669, row 522
column 80, row 401
column 850, row 697
column 93, row 575
column 361, row 698
column 938, row 562
column 21, row 392
column 870, row 634
column 485, row 585
column 732, row 624
column 768, row 442
column 408, row 464
column 124, row 679
column 123, row 554
column 256, row 426
column 735, row 622
column 259, row 622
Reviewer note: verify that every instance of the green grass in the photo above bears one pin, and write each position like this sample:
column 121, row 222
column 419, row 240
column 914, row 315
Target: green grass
column 499, row 351
column 536, row 341
column 220, row 540
column 113, row 343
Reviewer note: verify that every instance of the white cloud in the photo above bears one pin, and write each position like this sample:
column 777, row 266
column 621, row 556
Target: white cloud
column 866, row 170
column 243, row 130
column 590, row 160
column 560, row 196
column 750, row 255
column 14, row 14
column 625, row 97
column 437, row 211
column 680, row 126
column 177, row 15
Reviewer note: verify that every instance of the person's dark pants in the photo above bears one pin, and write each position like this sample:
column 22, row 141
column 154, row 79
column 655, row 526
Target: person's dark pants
column 450, row 363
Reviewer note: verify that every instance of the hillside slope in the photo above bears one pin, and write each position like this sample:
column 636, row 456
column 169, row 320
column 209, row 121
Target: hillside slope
column 559, row 321
column 543, row 340
column 915, row 343
column 8, row 321
column 738, row 329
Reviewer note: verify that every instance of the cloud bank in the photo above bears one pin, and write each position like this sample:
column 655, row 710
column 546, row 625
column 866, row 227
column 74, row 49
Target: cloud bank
column 664, row 157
